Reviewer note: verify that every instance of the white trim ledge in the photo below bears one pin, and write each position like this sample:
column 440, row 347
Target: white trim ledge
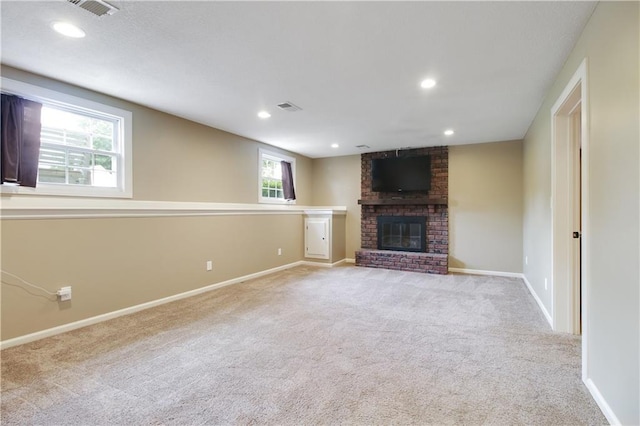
column 21, row 207
column 602, row 403
column 324, row 211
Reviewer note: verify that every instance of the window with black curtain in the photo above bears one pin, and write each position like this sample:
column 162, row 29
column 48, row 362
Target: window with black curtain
column 20, row 140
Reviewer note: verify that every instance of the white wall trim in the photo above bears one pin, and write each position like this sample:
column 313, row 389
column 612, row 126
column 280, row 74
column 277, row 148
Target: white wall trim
column 602, row 403
column 563, row 247
column 350, row 260
column 538, row 301
column 21, row 340
column 323, row 264
column 39, row 207
column 322, row 211
column 484, row 272
column 564, row 251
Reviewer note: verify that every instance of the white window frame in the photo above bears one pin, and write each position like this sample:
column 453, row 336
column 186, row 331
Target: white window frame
column 275, row 156
column 71, row 103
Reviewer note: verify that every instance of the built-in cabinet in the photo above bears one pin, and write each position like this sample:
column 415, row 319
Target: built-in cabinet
column 325, row 235
column 317, row 237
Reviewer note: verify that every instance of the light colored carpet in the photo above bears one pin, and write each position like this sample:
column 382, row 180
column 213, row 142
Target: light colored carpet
column 346, row 345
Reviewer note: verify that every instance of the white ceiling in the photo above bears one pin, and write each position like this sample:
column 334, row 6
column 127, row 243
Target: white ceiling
column 353, row 67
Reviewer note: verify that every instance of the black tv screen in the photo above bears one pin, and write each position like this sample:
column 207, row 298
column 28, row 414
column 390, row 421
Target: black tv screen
column 398, row 174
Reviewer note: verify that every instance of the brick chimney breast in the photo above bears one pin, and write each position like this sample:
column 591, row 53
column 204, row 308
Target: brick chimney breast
column 432, row 204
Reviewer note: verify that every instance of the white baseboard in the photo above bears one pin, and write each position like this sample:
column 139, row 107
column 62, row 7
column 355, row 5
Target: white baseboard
column 350, row 260
column 511, row 275
column 132, row 309
column 322, row 264
column 602, row 403
column 483, row 272
column 537, row 299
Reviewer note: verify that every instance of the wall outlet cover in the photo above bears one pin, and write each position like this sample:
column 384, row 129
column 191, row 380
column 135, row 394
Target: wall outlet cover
column 64, row 294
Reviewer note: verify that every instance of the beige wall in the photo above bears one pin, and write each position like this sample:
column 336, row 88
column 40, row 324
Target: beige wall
column 338, row 238
column 485, row 206
column 178, row 160
column 485, row 199
column 610, row 42
column 199, row 163
column 336, row 182
column 117, row 263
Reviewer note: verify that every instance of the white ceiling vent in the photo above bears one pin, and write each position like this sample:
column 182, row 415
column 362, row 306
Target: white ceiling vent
column 288, row 106
column 97, row 7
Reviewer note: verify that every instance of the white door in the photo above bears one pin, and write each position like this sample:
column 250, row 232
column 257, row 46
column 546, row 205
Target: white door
column 316, row 238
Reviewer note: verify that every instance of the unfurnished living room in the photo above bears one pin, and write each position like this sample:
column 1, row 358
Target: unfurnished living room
column 295, row 213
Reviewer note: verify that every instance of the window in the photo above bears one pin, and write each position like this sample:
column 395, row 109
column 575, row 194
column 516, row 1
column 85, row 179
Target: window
column 76, row 149
column 270, row 176
column 85, row 147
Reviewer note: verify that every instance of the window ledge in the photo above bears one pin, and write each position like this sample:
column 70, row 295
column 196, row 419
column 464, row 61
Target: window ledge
column 277, row 202
column 64, row 191
column 60, row 208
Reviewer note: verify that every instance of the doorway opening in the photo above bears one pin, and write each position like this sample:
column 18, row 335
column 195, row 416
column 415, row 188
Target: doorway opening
column 569, row 182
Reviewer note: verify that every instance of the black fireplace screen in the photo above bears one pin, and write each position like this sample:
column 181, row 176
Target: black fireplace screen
column 402, row 233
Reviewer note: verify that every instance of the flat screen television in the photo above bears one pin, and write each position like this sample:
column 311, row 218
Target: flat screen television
column 401, row 174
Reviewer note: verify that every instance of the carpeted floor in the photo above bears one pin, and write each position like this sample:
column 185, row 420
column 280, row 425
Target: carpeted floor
column 345, row 345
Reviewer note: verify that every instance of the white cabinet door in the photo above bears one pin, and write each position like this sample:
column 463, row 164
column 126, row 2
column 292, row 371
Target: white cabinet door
column 316, row 238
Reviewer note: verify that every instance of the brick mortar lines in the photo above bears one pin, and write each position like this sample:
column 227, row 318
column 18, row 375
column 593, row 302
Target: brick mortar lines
column 437, row 230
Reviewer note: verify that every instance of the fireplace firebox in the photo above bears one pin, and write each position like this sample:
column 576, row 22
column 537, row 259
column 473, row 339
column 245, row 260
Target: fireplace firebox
column 402, row 233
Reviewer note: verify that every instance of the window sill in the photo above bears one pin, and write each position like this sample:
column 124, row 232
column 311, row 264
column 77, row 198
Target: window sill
column 62, row 191
column 280, row 202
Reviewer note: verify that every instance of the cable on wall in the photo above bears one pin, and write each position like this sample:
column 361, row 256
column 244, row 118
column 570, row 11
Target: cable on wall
column 27, row 283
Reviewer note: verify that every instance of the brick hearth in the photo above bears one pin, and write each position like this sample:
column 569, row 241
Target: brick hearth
column 435, row 260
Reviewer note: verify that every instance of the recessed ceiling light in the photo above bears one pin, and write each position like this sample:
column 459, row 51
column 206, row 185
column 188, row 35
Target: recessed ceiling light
column 448, row 132
column 67, row 29
column 428, row 83
column 335, row 145
column 264, row 114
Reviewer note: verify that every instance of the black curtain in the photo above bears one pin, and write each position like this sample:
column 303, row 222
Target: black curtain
column 287, row 181
column 20, row 142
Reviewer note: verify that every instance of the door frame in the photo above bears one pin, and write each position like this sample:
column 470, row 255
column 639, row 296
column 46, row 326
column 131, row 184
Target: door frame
column 563, row 246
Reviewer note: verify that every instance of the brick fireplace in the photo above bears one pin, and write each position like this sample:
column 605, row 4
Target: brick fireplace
column 431, row 205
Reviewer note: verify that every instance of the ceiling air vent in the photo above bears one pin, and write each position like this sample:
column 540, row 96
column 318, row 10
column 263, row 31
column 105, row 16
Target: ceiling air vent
column 288, row 106
column 97, row 7
column 363, row 146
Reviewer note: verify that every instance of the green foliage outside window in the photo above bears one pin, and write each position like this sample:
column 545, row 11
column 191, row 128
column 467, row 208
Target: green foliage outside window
column 272, row 179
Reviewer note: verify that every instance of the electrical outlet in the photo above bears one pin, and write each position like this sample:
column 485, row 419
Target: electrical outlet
column 545, row 283
column 64, row 293
column 209, row 265
column 279, row 252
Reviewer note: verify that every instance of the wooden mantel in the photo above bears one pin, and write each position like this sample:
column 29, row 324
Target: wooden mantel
column 404, row 201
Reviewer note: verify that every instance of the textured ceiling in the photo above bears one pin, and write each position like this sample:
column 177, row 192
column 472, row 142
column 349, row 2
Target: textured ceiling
column 353, row 67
